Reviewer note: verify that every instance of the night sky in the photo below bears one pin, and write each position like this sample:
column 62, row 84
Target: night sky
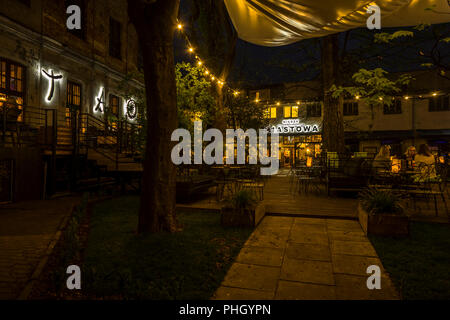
column 258, row 66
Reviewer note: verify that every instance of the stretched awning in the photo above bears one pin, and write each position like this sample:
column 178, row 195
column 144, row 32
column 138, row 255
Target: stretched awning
column 279, row 22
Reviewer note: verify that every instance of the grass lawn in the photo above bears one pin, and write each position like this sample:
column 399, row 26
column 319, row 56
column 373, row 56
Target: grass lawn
column 419, row 265
column 186, row 265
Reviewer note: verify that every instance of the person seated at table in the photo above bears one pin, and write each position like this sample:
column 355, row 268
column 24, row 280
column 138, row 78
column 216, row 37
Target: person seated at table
column 425, row 162
column 382, row 160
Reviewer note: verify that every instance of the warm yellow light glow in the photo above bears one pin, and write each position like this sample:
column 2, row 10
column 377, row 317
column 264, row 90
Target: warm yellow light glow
column 191, row 49
column 298, row 102
column 278, row 103
column 236, row 93
column 256, row 100
column 434, row 94
column 206, row 72
column 357, row 97
column 380, row 98
column 199, row 63
column 212, row 78
column 406, row 97
column 180, row 26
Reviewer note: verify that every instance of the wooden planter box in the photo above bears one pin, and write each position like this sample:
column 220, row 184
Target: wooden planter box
column 249, row 218
column 383, row 224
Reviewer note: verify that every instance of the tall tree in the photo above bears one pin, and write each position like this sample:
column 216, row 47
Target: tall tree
column 155, row 22
column 333, row 124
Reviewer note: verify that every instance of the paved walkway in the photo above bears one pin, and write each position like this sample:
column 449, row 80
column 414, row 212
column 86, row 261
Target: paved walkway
column 282, row 198
column 26, row 229
column 304, row 258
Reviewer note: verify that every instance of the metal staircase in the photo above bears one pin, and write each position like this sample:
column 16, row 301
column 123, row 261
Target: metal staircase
column 83, row 151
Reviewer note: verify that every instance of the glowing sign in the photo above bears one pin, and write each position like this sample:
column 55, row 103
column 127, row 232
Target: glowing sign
column 295, row 126
column 100, row 100
column 51, row 82
column 131, row 109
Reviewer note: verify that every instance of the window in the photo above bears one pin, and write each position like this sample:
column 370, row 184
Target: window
column 271, row 113
column 394, row 108
column 440, row 103
column 12, row 84
column 350, row 108
column 73, row 100
column 314, row 109
column 291, row 112
column 287, row 112
column 80, row 33
column 115, row 43
column 114, row 104
column 114, row 107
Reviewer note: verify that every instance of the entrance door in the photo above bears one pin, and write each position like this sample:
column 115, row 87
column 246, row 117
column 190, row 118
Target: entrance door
column 73, row 103
column 288, row 157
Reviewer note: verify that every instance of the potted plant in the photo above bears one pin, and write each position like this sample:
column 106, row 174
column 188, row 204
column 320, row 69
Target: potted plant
column 380, row 213
column 242, row 210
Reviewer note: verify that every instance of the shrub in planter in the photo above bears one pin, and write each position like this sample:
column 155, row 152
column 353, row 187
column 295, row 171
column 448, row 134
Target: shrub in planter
column 242, row 210
column 380, row 213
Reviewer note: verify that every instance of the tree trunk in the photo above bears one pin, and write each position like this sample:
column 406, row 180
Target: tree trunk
column 333, row 124
column 155, row 24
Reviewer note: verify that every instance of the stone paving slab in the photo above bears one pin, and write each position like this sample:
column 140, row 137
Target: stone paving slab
column 350, row 287
column 308, row 271
column 272, row 257
column 229, row 293
column 354, row 265
column 288, row 290
column 305, row 259
column 307, row 251
column 26, row 229
column 247, row 276
column 358, row 248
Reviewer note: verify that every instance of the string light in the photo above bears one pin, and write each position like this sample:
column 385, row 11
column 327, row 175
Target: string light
column 190, row 49
column 220, row 82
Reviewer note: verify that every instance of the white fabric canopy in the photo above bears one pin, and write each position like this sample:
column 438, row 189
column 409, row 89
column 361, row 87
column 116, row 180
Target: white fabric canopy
column 280, row 22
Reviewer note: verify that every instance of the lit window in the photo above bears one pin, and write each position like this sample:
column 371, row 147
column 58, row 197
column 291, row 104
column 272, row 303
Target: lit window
column 273, row 113
column 287, row 112
column 294, row 112
column 12, row 82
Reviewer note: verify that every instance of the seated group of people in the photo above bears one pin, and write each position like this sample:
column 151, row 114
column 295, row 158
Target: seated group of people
column 423, row 161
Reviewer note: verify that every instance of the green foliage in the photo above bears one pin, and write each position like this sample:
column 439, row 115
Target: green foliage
column 419, row 265
column 189, row 264
column 195, row 97
column 244, row 113
column 385, row 37
column 376, row 201
column 243, row 199
column 373, row 86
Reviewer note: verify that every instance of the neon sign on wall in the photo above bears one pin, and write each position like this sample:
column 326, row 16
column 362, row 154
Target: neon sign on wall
column 100, row 101
column 51, row 77
column 295, row 126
